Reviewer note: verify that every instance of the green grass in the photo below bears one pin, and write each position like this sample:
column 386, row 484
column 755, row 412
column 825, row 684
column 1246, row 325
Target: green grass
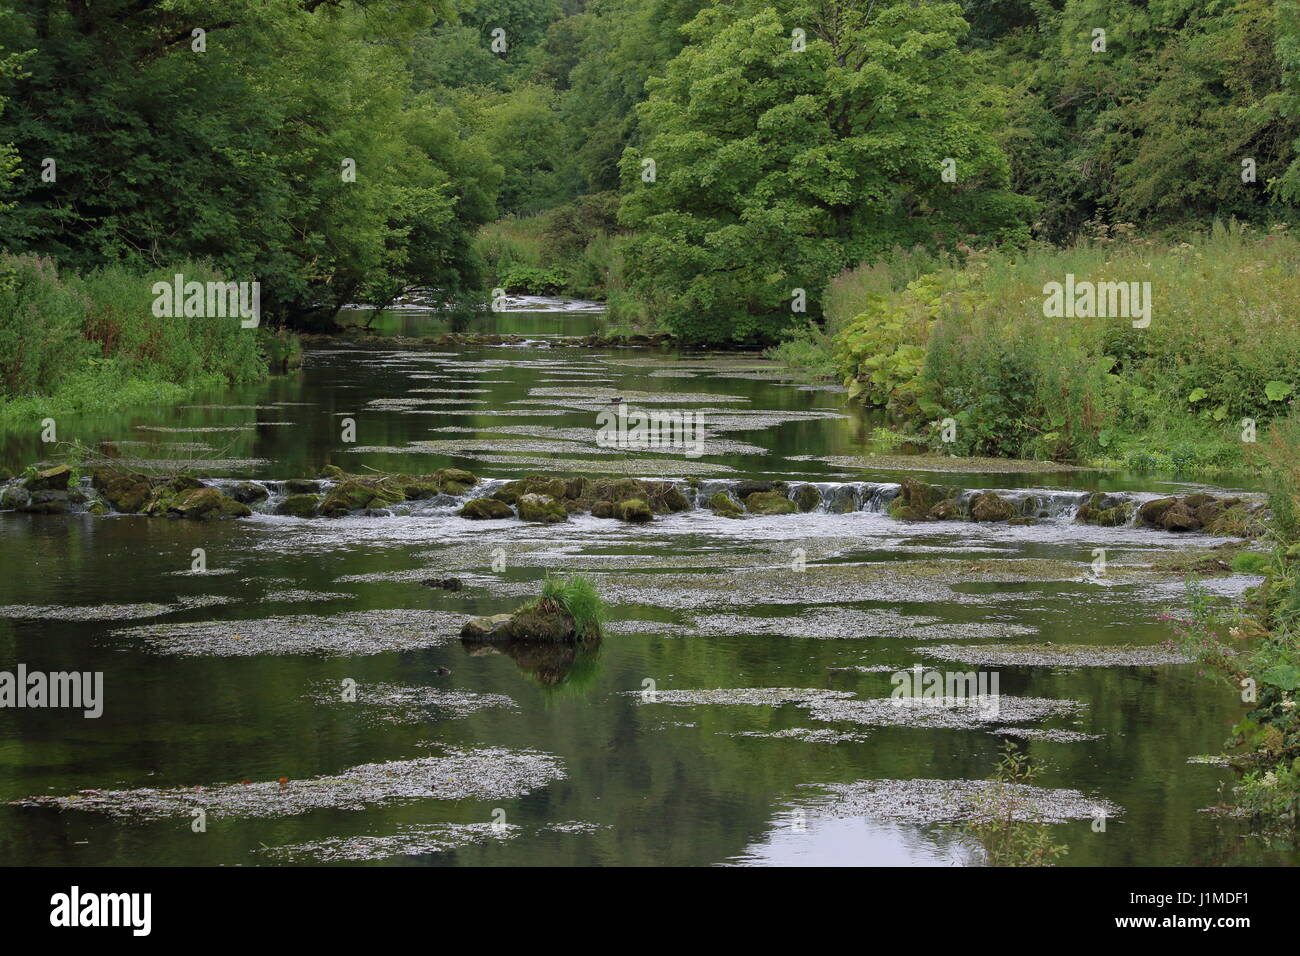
column 577, row 595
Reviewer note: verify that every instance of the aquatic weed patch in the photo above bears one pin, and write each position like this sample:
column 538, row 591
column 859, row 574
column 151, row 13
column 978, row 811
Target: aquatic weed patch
column 349, row 633
column 950, row 801
column 389, row 703
column 1057, row 655
column 488, row 774
column 109, row 612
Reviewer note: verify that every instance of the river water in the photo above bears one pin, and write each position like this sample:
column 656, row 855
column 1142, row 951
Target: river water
column 737, row 712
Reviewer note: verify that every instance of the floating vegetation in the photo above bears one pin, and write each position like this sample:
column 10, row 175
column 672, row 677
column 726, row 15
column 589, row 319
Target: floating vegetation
column 742, row 696
column 395, row 704
column 823, row 736
column 488, row 774
column 976, row 712
column 951, row 801
column 413, row 840
column 576, row 826
column 301, row 596
column 1058, row 655
column 109, row 612
column 1054, row 735
column 349, row 633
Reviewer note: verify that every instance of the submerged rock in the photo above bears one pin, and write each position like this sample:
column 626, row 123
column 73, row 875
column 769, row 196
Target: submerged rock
column 480, row 509
column 447, row 584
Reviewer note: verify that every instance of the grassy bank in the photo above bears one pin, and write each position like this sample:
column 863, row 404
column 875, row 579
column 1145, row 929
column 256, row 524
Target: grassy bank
column 969, row 342
column 72, row 344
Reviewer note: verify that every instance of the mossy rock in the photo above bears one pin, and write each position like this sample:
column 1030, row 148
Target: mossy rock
column 542, row 623
column 299, row 506
column 350, row 495
column 206, row 504
column 770, row 503
column 454, row 481
column 748, row 486
column 602, row 509
column 541, row 508
column 544, row 485
column 807, row 497
column 486, row 509
column 247, row 492
column 1023, row 520
column 98, row 507
column 989, row 506
column 416, row 489
column 333, row 472
column 914, row 500
column 51, row 479
column 576, row 489
column 634, row 510
column 1179, row 518
column 673, row 499
column 724, row 505
column 1152, row 511
column 127, row 492
column 301, row 486
column 485, row 628
column 946, row 510
column 165, row 495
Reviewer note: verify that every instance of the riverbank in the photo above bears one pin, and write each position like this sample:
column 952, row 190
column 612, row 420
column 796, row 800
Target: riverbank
column 1255, row 647
column 1170, row 357
column 73, row 344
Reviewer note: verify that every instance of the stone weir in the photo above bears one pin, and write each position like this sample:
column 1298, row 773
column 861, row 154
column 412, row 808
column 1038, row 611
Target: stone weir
column 106, row 489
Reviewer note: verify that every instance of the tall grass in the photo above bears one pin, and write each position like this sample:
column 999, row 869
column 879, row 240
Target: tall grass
column 1222, row 346
column 577, row 596
column 70, row 343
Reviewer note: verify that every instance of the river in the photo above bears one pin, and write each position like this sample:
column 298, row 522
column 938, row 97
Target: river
column 737, row 711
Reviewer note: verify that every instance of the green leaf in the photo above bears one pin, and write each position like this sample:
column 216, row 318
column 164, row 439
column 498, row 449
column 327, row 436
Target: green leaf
column 1197, row 395
column 1284, row 676
column 1276, row 391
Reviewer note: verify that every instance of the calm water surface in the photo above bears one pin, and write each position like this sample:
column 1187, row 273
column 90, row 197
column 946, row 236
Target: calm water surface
column 237, row 674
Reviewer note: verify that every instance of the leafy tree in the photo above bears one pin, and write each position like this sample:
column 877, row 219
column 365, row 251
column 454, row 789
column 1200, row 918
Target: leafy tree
column 775, row 166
